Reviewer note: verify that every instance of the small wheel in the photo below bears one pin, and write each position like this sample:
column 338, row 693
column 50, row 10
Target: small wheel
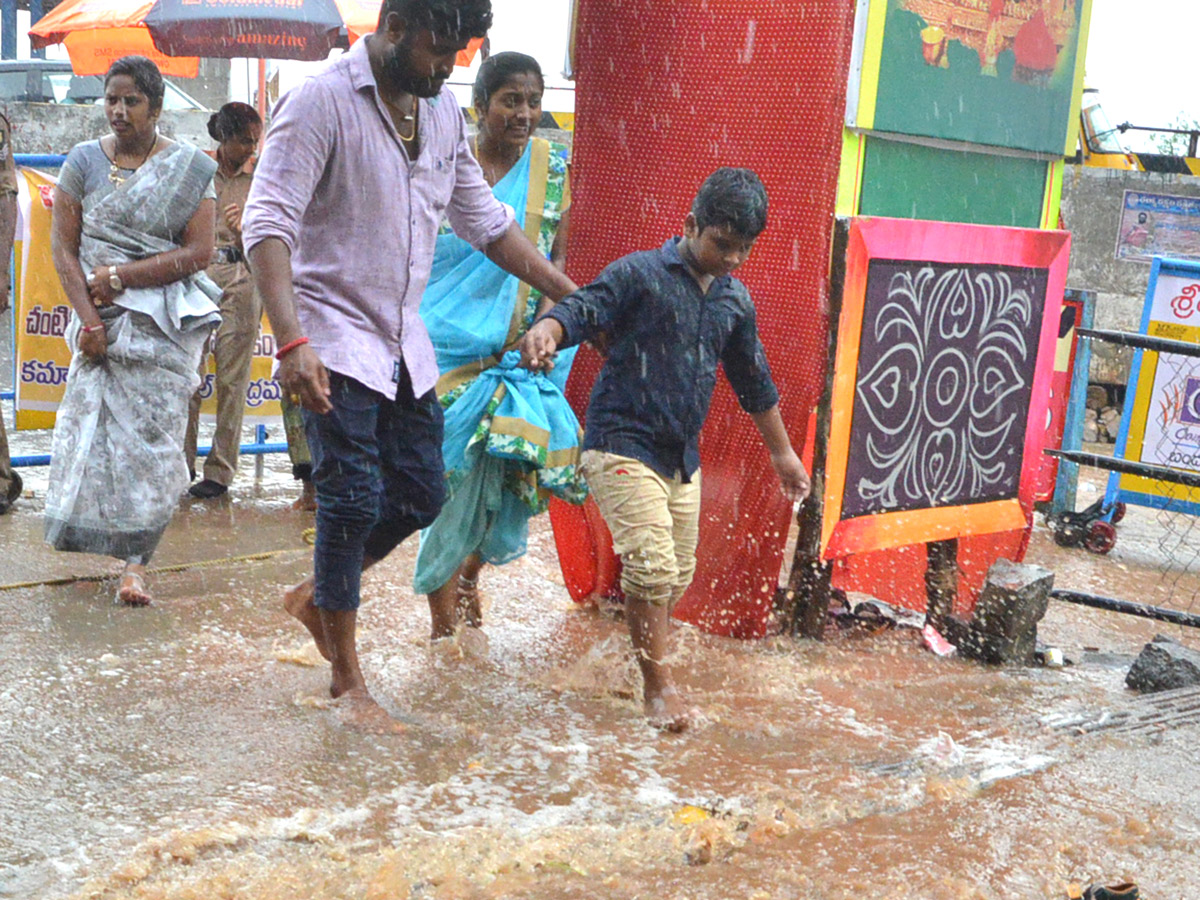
column 1068, row 534
column 1101, row 537
column 1118, row 513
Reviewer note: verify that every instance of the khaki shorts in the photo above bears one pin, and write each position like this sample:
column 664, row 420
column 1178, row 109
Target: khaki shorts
column 654, row 521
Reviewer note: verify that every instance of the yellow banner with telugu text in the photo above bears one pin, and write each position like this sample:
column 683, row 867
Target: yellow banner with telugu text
column 43, row 312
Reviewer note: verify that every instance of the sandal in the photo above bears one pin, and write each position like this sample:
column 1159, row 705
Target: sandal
column 132, row 590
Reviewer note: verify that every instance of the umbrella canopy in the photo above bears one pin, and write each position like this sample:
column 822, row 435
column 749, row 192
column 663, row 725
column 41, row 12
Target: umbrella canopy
column 299, row 29
column 97, row 32
column 174, row 33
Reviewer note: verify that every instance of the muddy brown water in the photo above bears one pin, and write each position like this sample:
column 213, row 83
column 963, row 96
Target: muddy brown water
column 189, row 751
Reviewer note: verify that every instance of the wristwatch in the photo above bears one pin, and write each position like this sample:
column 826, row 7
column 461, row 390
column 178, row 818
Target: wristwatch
column 114, row 280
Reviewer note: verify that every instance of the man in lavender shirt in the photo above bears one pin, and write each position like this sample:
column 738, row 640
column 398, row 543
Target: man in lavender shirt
column 360, row 165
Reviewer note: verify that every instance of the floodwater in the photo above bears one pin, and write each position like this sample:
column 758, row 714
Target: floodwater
column 189, row 750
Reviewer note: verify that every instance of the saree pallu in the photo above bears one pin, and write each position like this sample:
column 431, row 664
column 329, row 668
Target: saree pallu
column 511, row 439
column 117, row 466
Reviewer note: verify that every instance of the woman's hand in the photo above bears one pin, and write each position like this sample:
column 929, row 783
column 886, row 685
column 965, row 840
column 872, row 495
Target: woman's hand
column 93, row 344
column 99, row 288
column 233, row 218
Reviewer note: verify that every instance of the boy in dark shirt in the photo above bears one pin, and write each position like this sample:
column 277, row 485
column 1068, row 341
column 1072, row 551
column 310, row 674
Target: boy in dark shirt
column 669, row 316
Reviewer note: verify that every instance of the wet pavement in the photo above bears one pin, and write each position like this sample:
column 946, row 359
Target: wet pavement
column 189, row 750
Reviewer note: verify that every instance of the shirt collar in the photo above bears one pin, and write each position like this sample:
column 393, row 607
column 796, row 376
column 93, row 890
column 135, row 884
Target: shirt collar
column 359, row 62
column 672, row 259
column 670, row 253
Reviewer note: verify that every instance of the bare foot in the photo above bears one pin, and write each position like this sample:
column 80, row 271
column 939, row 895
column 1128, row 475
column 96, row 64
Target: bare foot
column 667, row 711
column 357, row 710
column 132, row 590
column 298, row 601
column 307, row 501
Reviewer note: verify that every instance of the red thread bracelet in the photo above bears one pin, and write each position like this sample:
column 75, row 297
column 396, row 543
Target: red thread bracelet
column 92, row 329
column 289, row 347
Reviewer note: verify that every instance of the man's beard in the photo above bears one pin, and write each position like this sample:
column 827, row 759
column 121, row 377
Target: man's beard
column 396, row 72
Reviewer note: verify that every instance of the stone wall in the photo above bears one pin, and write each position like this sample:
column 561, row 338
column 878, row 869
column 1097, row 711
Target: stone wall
column 56, row 128
column 1091, row 211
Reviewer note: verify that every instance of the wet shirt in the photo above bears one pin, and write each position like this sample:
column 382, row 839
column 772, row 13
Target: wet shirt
column 666, row 339
column 336, row 185
column 8, row 168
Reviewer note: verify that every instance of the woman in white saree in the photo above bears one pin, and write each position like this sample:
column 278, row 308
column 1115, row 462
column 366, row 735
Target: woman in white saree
column 133, row 230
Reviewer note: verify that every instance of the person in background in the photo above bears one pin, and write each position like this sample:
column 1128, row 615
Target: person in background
column 360, row 165
column 670, row 316
column 237, row 128
column 503, row 459
column 10, row 481
column 132, row 231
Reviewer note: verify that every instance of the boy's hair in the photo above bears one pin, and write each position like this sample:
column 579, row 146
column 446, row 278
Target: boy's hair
column 734, row 198
column 447, row 18
column 145, row 75
column 497, row 69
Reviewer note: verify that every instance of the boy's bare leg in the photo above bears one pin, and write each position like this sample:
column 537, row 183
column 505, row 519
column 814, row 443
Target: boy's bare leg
column 298, row 601
column 649, row 626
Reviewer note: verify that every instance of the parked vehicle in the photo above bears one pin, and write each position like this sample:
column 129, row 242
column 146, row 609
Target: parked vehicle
column 52, row 81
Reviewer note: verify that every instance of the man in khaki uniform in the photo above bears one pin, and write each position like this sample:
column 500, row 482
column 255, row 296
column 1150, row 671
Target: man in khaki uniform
column 241, row 310
column 10, row 481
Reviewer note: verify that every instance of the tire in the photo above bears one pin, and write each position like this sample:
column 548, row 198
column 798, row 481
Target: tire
column 1118, row 513
column 1068, row 534
column 1101, row 537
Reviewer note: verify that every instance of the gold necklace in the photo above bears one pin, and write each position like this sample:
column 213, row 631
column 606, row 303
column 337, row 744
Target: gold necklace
column 410, row 116
column 114, row 171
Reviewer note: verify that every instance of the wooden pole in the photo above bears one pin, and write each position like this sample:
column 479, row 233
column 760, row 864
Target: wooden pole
column 941, row 582
column 262, row 89
column 804, row 605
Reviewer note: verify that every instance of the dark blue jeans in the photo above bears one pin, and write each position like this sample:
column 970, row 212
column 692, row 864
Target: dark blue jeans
column 377, row 468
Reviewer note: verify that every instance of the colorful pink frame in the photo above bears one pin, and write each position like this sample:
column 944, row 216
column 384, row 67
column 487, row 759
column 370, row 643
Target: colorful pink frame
column 937, row 242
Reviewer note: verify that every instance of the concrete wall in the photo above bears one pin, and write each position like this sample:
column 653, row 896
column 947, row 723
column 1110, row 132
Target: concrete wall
column 56, row 128
column 210, row 86
column 1091, row 211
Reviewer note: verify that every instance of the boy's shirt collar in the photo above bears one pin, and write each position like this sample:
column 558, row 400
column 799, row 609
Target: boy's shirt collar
column 673, row 259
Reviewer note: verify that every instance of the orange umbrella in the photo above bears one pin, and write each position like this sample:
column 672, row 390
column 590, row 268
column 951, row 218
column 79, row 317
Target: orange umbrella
column 96, row 32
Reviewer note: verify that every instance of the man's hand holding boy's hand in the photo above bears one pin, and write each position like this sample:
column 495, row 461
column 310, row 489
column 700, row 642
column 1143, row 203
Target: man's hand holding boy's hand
column 793, row 479
column 540, row 344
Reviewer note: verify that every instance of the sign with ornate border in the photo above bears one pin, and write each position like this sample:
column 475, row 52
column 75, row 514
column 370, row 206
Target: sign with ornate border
column 945, row 353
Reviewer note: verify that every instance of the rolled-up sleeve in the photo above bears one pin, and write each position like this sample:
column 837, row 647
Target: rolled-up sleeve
column 294, row 157
column 593, row 308
column 746, row 367
column 474, row 212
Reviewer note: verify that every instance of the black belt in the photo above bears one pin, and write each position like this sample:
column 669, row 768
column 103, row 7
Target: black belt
column 229, row 255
